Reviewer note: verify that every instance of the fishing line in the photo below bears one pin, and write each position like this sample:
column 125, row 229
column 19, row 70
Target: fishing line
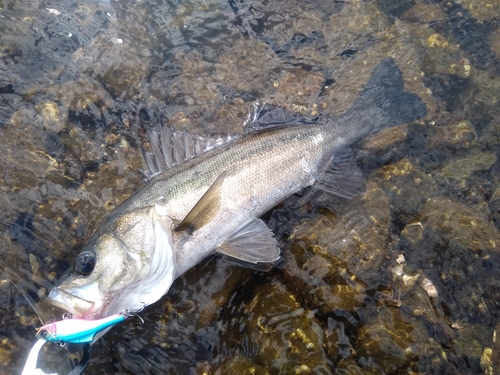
column 30, row 301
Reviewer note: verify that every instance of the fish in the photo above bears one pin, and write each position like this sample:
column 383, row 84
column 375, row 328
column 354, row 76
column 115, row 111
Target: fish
column 205, row 196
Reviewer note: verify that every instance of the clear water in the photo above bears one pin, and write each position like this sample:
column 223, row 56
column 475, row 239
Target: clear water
column 401, row 279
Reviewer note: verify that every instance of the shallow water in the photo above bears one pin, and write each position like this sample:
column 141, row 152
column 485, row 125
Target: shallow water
column 403, row 278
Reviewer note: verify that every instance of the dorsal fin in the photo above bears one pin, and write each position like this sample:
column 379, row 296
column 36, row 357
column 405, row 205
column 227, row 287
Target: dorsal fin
column 265, row 116
column 171, row 147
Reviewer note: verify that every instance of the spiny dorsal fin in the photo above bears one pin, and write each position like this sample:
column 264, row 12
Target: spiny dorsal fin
column 266, row 116
column 171, row 147
column 204, row 209
column 252, row 243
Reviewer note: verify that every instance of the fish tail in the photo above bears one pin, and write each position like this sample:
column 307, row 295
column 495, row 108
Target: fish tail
column 383, row 103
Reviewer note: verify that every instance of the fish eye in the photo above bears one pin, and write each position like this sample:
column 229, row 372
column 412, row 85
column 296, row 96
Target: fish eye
column 84, row 263
column 44, row 334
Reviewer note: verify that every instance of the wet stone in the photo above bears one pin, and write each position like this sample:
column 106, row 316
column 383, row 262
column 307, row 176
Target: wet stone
column 413, row 232
column 193, row 81
column 122, row 78
column 5, row 352
column 470, row 342
column 24, row 118
column 251, row 57
column 285, row 336
column 385, row 138
column 332, row 288
column 481, row 9
column 467, row 175
column 446, row 89
column 52, row 116
column 394, row 9
column 465, row 281
column 426, row 13
column 237, row 365
column 491, row 136
column 406, row 186
column 490, row 359
column 207, row 295
column 446, row 64
column 461, row 223
column 486, row 362
column 494, row 206
column 495, row 42
column 483, row 97
column 463, row 167
column 82, row 146
column 456, row 135
column 333, row 262
column 386, row 338
column 396, row 338
column 299, row 89
column 53, row 144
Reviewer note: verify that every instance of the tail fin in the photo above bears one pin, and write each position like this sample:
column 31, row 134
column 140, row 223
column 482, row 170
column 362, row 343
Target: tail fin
column 383, row 101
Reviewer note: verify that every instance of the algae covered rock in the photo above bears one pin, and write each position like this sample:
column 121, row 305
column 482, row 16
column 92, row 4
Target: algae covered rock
column 239, row 366
column 339, row 256
column 406, row 186
column 386, row 338
column 461, row 223
column 464, row 166
column 284, row 336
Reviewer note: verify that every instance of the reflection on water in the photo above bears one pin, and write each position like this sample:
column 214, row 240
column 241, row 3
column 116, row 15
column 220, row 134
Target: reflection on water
column 402, row 278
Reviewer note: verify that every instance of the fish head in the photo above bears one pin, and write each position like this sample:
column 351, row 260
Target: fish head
column 128, row 264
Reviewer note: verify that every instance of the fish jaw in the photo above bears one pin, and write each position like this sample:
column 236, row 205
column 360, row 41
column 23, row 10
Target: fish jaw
column 73, row 303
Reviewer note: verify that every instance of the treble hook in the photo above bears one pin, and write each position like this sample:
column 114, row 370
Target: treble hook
column 129, row 313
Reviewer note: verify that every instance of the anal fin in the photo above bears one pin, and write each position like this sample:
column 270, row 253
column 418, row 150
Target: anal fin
column 252, row 243
column 342, row 177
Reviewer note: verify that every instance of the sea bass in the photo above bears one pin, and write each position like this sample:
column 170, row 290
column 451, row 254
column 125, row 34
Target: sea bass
column 212, row 201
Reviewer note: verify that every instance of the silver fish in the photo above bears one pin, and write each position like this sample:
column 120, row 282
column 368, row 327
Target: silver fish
column 212, row 201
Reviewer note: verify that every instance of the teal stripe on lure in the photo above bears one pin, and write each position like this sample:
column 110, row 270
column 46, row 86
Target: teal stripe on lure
column 77, row 331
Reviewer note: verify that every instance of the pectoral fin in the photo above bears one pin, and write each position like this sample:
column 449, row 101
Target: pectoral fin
column 342, row 177
column 205, row 209
column 252, row 243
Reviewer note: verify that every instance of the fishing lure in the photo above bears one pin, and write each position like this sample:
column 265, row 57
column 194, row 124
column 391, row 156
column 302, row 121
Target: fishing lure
column 74, row 331
column 77, row 331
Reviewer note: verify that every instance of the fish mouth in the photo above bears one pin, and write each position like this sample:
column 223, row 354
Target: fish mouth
column 77, row 306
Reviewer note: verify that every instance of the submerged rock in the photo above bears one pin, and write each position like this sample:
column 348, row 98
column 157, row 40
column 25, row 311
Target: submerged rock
column 238, row 365
column 490, row 358
column 461, row 223
column 282, row 334
column 386, row 338
column 463, row 167
column 406, row 186
column 456, row 135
